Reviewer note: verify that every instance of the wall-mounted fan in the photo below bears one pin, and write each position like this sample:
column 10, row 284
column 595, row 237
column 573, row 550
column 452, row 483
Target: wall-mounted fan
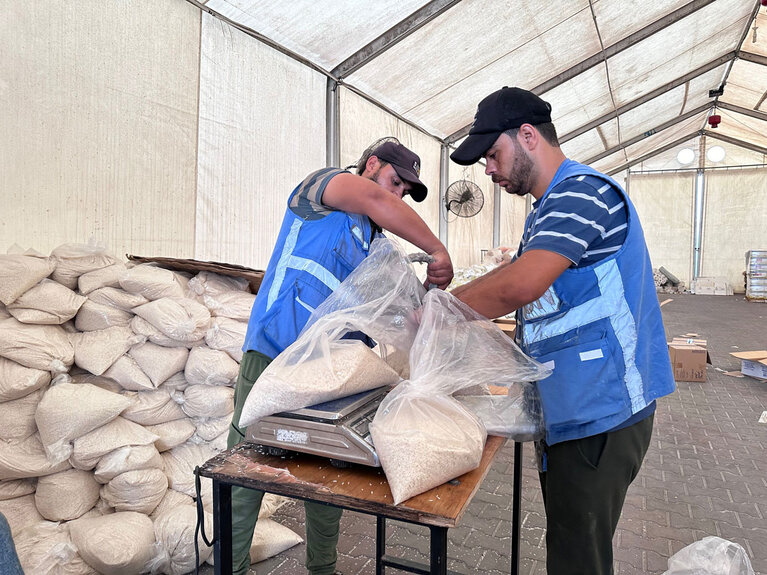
column 464, row 198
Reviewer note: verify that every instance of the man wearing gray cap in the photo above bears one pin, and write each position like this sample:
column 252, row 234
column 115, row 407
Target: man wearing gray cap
column 331, row 219
column 582, row 287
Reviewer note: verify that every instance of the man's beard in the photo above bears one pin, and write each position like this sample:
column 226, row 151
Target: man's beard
column 519, row 180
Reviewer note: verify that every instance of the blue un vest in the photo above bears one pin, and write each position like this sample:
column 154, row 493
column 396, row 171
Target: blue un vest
column 310, row 259
column 600, row 329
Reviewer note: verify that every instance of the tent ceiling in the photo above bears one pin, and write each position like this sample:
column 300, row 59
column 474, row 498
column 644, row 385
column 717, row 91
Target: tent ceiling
column 624, row 83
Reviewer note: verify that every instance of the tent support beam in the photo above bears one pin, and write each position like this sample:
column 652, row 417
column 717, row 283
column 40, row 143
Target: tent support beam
column 332, row 125
column 444, row 174
column 741, row 110
column 649, row 133
column 392, row 36
column 736, row 142
column 496, row 215
column 654, row 153
column 754, row 58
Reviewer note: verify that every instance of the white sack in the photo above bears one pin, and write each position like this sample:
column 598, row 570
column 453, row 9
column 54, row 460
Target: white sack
column 48, row 303
column 96, row 351
column 710, row 556
column 17, row 417
column 26, row 459
column 97, row 316
column 117, row 433
column 208, row 428
column 176, row 382
column 17, row 380
column 227, row 335
column 174, row 531
column 208, row 401
column 18, row 273
column 128, row 458
column 269, row 539
column 211, row 367
column 12, row 488
column 152, row 407
column 104, row 277
column 74, row 260
column 46, row 548
column 171, row 433
column 79, row 375
column 71, row 410
column 236, row 305
column 180, row 463
column 66, row 495
column 117, row 297
column 159, row 362
column 171, row 500
column 139, row 490
column 36, row 346
column 116, row 544
column 142, row 327
column 20, row 512
column 129, row 375
column 153, row 282
column 213, row 284
column 180, row 319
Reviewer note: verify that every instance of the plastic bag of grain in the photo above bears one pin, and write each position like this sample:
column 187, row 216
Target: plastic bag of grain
column 74, row 260
column 227, row 335
column 208, row 401
column 152, row 407
column 210, row 366
column 208, row 428
column 423, row 436
column 159, row 362
column 96, row 351
column 236, row 305
column 18, row 273
column 139, row 490
column 37, row 346
column 26, row 458
column 70, row 410
column 47, row 303
column 180, row 463
column 96, row 316
column 46, row 548
column 176, row 382
column 172, row 433
column 117, row 544
column 17, row 417
column 119, row 432
column 153, row 282
column 12, row 488
column 20, row 512
column 105, row 277
column 126, row 372
column 142, row 327
column 66, row 495
column 17, row 380
column 174, row 531
column 117, row 297
column 180, row 319
column 213, row 284
column 127, row 458
column 171, row 500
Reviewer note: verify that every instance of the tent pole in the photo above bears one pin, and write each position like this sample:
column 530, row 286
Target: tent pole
column 496, row 215
column 697, row 220
column 443, row 176
column 332, row 124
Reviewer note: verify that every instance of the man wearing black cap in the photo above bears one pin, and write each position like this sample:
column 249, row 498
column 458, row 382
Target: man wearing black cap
column 582, row 287
column 326, row 233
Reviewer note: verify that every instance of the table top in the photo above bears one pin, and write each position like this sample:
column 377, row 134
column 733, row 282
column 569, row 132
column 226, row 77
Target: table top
column 358, row 488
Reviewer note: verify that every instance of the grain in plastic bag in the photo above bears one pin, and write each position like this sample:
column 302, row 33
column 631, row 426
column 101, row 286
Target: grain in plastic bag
column 424, row 436
column 377, row 299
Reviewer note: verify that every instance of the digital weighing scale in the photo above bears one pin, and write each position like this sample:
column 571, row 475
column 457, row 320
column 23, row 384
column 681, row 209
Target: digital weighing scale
column 336, row 429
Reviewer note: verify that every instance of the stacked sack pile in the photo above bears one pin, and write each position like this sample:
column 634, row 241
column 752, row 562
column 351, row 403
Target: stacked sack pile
column 115, row 382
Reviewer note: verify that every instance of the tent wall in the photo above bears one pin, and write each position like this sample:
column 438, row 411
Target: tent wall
column 99, row 124
column 467, row 237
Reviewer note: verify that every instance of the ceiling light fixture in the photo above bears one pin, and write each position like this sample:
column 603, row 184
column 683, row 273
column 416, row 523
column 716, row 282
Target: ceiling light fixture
column 715, row 154
column 685, row 156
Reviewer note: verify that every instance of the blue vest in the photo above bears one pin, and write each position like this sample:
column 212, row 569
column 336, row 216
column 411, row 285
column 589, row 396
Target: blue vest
column 310, row 259
column 600, row 329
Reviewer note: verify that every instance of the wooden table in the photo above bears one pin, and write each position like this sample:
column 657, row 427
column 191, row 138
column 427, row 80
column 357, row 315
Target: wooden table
column 359, row 488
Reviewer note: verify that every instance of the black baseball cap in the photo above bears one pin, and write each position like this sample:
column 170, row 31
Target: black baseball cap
column 406, row 163
column 503, row 110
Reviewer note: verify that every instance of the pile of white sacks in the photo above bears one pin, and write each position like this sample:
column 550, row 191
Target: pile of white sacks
column 115, row 382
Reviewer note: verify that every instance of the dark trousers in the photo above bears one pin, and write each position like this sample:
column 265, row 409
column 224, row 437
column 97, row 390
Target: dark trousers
column 584, row 487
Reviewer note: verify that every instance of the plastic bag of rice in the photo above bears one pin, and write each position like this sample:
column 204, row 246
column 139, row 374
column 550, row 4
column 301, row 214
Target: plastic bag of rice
column 17, row 380
column 105, row 277
column 236, row 305
column 159, row 362
column 176, row 382
column 344, row 368
column 172, row 433
column 18, row 273
column 180, row 319
column 171, row 500
column 208, row 401
column 126, row 372
column 37, row 346
column 12, row 488
column 174, row 531
column 96, row 351
column 227, row 335
column 26, row 458
column 46, row 548
column 142, row 327
column 152, row 407
column 47, row 303
column 208, row 428
column 180, row 463
column 153, row 282
column 139, row 490
column 17, row 417
column 66, row 495
column 20, row 512
column 74, row 260
column 210, row 367
column 70, row 410
column 128, row 458
column 117, row 297
column 213, row 284
column 117, row 544
column 119, row 432
column 96, row 316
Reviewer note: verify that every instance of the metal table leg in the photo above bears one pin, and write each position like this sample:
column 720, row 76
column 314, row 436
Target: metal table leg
column 516, row 501
column 222, row 527
column 380, row 544
column 438, row 551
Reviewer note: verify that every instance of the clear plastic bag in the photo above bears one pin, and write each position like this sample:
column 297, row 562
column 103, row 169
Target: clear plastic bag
column 710, row 556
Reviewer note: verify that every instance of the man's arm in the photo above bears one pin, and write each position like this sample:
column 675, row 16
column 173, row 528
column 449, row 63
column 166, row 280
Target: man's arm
column 510, row 286
column 358, row 195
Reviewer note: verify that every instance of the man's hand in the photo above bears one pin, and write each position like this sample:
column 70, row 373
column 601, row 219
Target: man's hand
column 440, row 271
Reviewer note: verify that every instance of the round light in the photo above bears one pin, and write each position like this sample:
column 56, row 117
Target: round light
column 685, row 156
column 715, row 154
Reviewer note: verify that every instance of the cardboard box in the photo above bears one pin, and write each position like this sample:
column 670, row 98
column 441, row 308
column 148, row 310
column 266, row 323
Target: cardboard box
column 509, row 326
column 688, row 361
column 752, row 363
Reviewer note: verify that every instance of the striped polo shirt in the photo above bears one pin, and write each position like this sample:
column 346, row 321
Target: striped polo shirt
column 306, row 202
column 583, row 219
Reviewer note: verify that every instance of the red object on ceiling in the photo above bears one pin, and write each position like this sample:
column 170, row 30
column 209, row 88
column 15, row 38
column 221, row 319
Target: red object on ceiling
column 715, row 119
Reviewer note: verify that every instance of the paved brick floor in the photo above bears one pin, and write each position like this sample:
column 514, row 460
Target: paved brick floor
column 705, row 474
